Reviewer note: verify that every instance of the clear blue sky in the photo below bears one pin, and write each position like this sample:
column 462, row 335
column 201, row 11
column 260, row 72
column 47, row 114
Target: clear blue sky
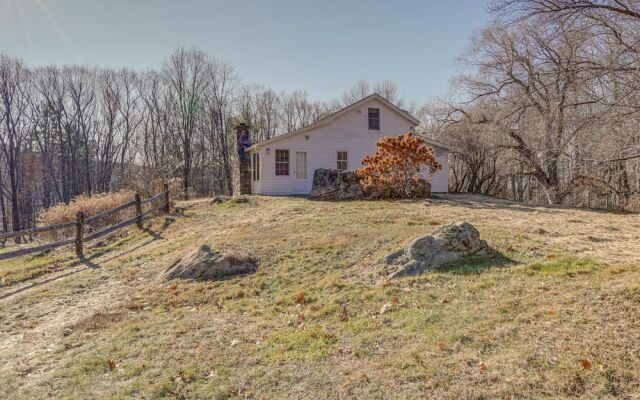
column 321, row 46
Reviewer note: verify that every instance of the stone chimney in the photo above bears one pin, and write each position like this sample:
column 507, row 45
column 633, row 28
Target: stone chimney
column 243, row 184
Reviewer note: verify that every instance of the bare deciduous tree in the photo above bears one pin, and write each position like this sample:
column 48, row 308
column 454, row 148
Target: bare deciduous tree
column 14, row 93
column 186, row 73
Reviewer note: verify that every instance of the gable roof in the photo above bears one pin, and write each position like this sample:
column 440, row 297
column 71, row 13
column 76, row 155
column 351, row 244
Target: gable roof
column 332, row 117
column 433, row 142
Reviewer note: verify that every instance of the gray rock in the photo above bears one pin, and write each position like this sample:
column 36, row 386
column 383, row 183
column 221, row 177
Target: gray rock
column 229, row 199
column 460, row 237
column 220, row 199
column 207, row 264
column 427, row 253
column 392, row 257
column 332, row 184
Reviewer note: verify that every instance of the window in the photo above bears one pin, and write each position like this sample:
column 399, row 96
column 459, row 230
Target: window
column 282, row 162
column 301, row 165
column 343, row 163
column 374, row 118
column 255, row 166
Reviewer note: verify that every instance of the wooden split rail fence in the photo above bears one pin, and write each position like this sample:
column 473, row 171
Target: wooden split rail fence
column 80, row 223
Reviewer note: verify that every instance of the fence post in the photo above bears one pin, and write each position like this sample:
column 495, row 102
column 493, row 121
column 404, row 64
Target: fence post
column 138, row 210
column 166, row 198
column 79, row 232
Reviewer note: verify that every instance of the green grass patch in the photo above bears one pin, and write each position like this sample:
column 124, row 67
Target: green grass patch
column 564, row 266
column 478, row 264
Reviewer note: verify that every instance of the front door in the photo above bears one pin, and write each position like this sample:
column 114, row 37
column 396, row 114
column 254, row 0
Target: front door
column 301, row 165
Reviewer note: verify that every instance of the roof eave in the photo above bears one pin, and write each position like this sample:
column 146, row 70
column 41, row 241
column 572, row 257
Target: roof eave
column 288, row 134
column 433, row 142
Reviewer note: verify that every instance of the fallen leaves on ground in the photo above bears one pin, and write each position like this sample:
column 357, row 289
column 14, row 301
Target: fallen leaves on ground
column 585, row 364
column 299, row 298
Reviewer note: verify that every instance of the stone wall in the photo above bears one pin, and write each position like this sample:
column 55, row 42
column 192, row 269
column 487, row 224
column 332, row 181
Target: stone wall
column 332, row 184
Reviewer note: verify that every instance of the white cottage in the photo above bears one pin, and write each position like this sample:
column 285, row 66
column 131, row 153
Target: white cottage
column 285, row 164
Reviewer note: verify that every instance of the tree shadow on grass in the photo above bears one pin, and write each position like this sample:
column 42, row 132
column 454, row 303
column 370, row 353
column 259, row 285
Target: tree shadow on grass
column 477, row 264
column 485, row 202
column 86, row 261
column 155, row 235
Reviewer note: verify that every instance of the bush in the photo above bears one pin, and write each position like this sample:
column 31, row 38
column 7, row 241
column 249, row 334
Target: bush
column 89, row 205
column 148, row 185
column 393, row 172
column 632, row 204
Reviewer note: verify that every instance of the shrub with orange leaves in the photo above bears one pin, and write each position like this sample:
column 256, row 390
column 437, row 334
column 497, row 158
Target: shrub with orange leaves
column 393, row 171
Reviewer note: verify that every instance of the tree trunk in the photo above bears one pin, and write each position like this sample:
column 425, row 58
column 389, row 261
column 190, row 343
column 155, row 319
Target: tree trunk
column 3, row 209
column 15, row 206
column 186, row 171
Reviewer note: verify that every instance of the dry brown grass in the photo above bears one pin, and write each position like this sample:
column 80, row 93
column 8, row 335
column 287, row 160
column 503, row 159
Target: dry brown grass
column 99, row 203
column 555, row 316
column 149, row 186
column 606, row 237
column 633, row 204
column 89, row 205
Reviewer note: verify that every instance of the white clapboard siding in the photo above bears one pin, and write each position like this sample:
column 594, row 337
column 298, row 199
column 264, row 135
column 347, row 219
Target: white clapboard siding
column 348, row 132
column 439, row 180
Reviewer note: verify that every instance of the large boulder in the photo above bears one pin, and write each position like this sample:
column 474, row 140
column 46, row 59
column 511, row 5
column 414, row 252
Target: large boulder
column 333, row 184
column 207, row 264
column 427, row 253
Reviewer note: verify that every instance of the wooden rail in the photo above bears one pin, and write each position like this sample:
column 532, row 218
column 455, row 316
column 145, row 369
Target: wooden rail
column 81, row 222
column 108, row 213
column 33, row 231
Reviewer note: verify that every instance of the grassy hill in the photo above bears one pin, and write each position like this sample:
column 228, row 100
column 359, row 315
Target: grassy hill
column 555, row 314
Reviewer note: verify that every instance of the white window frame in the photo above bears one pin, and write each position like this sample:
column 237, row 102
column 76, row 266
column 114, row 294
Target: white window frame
column 338, row 160
column 369, row 119
column 288, row 162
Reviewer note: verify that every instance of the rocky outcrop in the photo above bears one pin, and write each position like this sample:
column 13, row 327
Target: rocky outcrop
column 223, row 198
column 229, row 199
column 207, row 264
column 427, row 253
column 332, row 184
